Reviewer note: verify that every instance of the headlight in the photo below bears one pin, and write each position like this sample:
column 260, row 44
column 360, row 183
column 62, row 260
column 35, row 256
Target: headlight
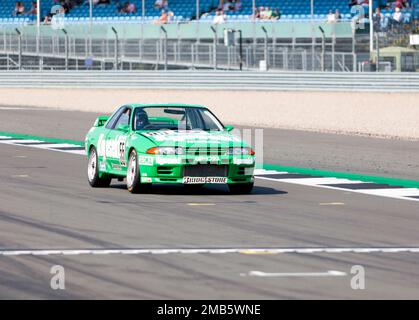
column 241, row 151
column 166, row 151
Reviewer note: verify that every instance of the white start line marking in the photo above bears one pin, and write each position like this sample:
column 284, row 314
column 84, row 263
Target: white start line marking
column 363, row 187
column 330, row 273
column 174, row 251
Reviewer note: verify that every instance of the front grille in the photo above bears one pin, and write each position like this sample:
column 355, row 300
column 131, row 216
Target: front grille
column 204, row 170
column 164, row 170
column 203, row 151
column 240, row 171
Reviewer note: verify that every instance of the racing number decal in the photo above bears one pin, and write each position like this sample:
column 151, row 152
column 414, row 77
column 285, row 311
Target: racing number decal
column 122, row 161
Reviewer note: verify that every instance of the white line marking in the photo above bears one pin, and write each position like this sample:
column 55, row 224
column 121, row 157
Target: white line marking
column 16, row 141
column 46, row 146
column 330, row 273
column 319, row 181
column 331, row 204
column 401, row 194
column 167, row 251
column 374, row 192
column 18, row 108
column 264, row 171
column 55, row 145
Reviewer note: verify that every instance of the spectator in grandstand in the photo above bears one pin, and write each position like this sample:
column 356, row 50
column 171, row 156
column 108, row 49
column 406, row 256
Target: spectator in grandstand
column 170, row 16
column 131, row 8
column 238, row 5
column 276, row 14
column 261, row 13
column 66, row 6
column 268, row 14
column 256, row 13
column 160, row 4
column 33, row 9
column 400, row 4
column 47, row 19
column 163, row 18
column 331, row 17
column 19, row 9
column 338, row 16
column 380, row 21
column 119, row 7
column 397, row 16
column 103, row 2
column 219, row 17
column 227, row 5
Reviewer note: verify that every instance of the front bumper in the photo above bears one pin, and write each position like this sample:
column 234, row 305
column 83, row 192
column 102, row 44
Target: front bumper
column 171, row 170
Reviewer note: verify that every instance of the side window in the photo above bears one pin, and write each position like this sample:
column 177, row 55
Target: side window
column 114, row 118
column 123, row 119
column 209, row 121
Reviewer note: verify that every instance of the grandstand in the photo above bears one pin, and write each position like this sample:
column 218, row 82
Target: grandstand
column 297, row 41
column 185, row 10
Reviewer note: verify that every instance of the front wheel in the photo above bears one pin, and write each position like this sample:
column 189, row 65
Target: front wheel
column 241, row 188
column 134, row 184
column 93, row 172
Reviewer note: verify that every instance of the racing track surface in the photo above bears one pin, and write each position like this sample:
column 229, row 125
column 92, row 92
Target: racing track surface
column 46, row 203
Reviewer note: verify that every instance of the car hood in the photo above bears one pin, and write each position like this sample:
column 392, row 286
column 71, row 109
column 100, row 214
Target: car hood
column 192, row 138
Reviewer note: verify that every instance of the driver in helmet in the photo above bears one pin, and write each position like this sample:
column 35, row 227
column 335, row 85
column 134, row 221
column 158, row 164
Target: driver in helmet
column 141, row 119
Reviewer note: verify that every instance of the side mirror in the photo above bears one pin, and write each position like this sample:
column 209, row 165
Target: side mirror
column 229, row 128
column 123, row 127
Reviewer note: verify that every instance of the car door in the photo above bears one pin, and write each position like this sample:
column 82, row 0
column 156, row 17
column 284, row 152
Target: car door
column 116, row 140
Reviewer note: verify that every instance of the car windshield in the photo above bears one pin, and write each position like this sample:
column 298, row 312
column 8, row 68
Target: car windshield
column 175, row 118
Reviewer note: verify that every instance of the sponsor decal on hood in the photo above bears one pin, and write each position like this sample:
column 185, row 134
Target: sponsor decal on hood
column 192, row 136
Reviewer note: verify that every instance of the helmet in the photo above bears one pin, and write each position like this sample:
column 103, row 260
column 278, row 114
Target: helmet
column 141, row 119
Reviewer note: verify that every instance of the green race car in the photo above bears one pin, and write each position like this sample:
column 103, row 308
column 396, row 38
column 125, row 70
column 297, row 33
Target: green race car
column 167, row 144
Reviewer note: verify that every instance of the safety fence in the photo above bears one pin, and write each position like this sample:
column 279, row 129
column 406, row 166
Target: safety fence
column 214, row 80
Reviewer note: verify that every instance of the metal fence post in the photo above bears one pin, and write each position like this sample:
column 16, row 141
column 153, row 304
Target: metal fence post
column 66, row 47
column 116, row 48
column 215, row 48
column 266, row 47
column 19, row 47
column 165, row 47
column 241, row 49
column 323, row 63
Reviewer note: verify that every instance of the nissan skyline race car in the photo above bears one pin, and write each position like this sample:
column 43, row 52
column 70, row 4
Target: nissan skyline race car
column 167, row 144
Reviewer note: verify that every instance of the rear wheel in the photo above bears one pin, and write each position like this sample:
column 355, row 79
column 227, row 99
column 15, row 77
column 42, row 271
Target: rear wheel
column 93, row 172
column 134, row 184
column 241, row 188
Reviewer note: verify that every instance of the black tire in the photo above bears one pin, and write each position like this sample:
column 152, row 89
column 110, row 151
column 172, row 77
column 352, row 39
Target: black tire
column 241, row 188
column 93, row 172
column 134, row 184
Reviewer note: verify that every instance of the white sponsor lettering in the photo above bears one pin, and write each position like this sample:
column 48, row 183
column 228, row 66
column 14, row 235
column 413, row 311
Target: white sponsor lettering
column 191, row 136
column 199, row 180
column 240, row 161
column 163, row 161
column 145, row 161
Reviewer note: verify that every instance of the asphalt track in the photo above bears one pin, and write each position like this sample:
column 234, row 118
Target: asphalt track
column 46, row 204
